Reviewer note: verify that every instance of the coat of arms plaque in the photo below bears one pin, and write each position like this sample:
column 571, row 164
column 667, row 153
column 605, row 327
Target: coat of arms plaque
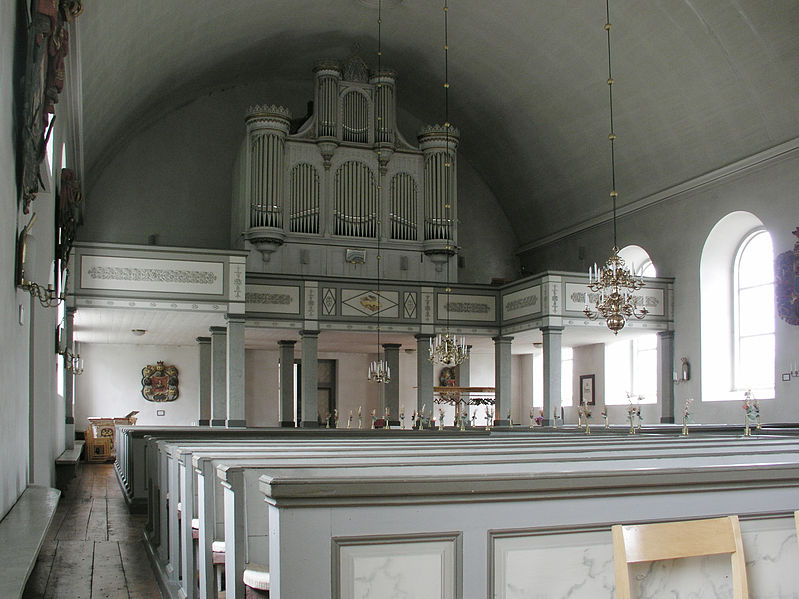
column 159, row 382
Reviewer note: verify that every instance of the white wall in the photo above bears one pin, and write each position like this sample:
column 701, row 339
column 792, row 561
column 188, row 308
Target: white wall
column 674, row 232
column 110, row 385
column 14, row 349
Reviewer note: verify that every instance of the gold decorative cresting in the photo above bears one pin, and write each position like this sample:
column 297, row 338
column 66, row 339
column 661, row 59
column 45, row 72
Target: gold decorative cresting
column 615, row 284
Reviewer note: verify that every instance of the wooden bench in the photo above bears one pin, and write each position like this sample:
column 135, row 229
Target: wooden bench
column 66, row 465
column 22, row 532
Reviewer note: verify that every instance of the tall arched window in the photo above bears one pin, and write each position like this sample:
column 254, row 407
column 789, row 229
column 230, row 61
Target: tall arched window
column 736, row 291
column 753, row 326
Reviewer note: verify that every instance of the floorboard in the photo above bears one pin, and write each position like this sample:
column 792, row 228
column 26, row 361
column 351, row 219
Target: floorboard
column 94, row 547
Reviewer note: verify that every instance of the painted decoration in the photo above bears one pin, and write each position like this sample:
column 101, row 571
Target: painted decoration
column 159, row 382
column 786, row 284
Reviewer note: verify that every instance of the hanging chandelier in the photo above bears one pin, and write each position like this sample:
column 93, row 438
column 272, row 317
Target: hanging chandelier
column 447, row 349
column 379, row 370
column 613, row 285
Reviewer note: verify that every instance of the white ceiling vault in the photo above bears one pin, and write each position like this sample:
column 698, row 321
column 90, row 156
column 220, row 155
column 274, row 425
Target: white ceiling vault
column 700, row 84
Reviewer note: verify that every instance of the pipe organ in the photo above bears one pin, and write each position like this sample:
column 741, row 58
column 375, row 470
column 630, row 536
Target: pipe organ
column 344, row 179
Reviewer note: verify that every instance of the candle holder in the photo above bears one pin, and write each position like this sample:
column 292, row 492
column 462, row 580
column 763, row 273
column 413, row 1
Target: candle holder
column 685, row 426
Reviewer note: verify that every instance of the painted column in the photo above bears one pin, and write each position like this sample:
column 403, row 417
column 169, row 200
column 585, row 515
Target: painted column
column 666, row 375
column 464, row 371
column 236, row 414
column 204, row 346
column 553, row 338
column 391, row 352
column 218, row 375
column 424, row 373
column 69, row 384
column 287, row 383
column 502, row 380
column 310, row 378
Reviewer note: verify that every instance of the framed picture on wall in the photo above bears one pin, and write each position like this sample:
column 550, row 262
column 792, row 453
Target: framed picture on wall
column 587, row 395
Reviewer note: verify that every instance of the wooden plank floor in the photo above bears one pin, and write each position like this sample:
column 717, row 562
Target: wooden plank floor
column 94, row 548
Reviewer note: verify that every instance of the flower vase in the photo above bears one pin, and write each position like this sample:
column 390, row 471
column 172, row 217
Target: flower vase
column 587, row 427
column 747, row 430
column 758, row 422
column 632, row 426
column 441, row 424
column 685, row 426
column 607, row 424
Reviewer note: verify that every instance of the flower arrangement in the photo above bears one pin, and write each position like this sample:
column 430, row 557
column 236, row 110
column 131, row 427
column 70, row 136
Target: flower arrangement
column 633, row 412
column 752, row 410
column 686, row 414
column 604, row 414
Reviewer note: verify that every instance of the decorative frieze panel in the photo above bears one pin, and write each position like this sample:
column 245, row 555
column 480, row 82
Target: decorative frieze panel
column 409, row 304
column 522, row 303
column 329, row 301
column 281, row 299
column 651, row 297
column 467, row 307
column 151, row 275
column 360, row 302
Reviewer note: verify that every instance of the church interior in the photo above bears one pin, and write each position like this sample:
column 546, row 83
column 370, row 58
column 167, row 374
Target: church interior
column 387, row 296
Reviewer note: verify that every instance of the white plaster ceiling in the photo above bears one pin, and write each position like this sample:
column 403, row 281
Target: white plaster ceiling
column 699, row 83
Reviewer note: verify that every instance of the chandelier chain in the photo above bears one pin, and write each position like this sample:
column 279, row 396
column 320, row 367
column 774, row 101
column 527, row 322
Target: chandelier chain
column 614, row 285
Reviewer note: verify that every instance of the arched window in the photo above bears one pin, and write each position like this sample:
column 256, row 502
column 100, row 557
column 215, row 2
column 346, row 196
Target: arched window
column 736, row 288
column 638, row 259
column 753, row 329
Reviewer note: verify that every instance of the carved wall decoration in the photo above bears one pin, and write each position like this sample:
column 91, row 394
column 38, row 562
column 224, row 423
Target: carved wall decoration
column 137, row 274
column 47, row 47
column 159, row 382
column 786, row 284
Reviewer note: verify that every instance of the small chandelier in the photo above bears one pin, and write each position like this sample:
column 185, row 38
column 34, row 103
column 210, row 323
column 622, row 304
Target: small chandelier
column 447, row 349
column 379, row 370
column 614, row 283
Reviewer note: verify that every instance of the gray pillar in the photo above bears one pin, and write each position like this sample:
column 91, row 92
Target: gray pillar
column 218, row 375
column 204, row 346
column 236, row 411
column 502, row 380
column 391, row 351
column 666, row 375
column 424, row 373
column 286, row 409
column 69, row 385
column 310, row 378
column 553, row 337
column 464, row 372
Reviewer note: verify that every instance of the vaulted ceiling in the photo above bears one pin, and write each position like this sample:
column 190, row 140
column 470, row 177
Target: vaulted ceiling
column 699, row 83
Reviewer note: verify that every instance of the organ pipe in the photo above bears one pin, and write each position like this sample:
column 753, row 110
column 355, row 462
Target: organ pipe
column 267, row 128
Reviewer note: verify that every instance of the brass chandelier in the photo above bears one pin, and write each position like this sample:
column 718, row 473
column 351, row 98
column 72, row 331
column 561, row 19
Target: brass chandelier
column 447, row 349
column 613, row 285
column 379, row 370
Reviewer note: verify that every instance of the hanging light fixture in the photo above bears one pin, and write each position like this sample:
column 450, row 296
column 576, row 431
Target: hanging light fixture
column 448, row 349
column 379, row 371
column 614, row 284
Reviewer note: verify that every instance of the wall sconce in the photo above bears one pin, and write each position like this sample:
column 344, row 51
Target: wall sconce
column 72, row 362
column 46, row 295
column 684, row 374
